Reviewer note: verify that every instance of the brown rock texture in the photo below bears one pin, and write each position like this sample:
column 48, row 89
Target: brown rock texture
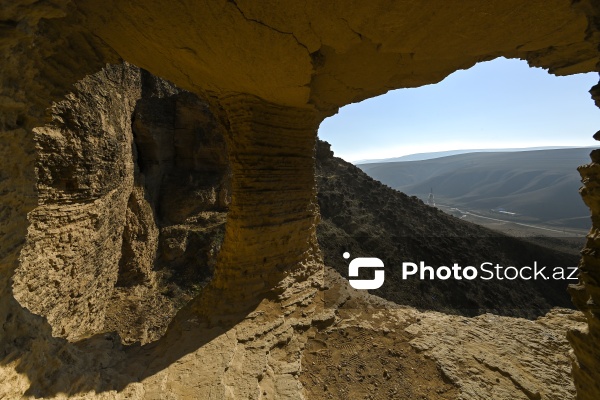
column 380, row 351
column 330, row 55
column 306, row 339
column 133, row 189
column 85, row 172
column 274, row 70
column 586, row 294
column 292, row 347
column 271, row 225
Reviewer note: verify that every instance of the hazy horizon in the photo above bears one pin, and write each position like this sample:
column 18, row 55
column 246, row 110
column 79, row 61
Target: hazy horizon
column 462, row 151
column 498, row 104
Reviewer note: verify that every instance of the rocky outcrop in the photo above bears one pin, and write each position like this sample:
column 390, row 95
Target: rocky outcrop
column 270, row 65
column 292, row 347
column 85, row 174
column 304, row 340
column 382, row 351
column 133, row 190
column 586, row 294
column 166, row 219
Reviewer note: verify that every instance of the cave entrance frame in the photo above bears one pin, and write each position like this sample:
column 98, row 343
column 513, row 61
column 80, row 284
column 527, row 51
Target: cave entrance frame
column 276, row 69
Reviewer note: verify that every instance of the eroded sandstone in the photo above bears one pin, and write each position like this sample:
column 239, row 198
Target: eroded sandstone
column 284, row 63
column 133, row 190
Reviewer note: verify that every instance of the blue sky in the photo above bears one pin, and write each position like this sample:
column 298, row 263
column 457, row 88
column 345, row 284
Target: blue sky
column 496, row 104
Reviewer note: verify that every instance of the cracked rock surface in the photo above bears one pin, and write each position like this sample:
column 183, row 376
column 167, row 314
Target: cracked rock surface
column 152, row 193
column 293, row 347
column 273, row 70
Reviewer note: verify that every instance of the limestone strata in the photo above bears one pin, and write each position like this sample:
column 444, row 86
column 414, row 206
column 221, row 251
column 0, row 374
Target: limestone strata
column 271, row 226
column 586, row 294
column 486, row 356
column 292, row 53
column 85, row 169
column 303, row 60
column 132, row 179
column 265, row 353
column 44, row 50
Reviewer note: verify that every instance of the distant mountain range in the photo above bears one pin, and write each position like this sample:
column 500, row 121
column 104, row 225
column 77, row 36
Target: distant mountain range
column 538, row 185
column 438, row 154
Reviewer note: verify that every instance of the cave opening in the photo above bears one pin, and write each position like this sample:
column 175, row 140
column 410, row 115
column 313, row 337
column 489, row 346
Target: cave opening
column 497, row 146
column 364, row 51
column 498, row 109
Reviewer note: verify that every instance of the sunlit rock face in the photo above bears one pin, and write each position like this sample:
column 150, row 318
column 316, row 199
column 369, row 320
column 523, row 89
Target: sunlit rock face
column 274, row 70
column 85, row 178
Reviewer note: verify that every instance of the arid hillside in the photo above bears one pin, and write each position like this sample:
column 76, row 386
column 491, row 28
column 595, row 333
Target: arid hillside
column 540, row 186
column 369, row 219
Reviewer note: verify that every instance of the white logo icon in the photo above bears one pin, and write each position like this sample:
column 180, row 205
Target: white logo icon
column 365, row 262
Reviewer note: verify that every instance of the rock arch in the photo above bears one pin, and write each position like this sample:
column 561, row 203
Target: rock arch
column 275, row 70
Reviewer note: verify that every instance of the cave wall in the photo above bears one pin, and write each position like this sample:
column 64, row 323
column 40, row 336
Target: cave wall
column 269, row 66
column 85, row 178
column 586, row 293
column 133, row 189
column 271, row 225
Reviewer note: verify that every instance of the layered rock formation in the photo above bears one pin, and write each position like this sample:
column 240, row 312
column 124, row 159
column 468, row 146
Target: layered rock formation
column 133, row 188
column 380, row 351
column 132, row 210
column 165, row 231
column 85, row 173
column 274, row 70
column 586, row 294
column 271, row 153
